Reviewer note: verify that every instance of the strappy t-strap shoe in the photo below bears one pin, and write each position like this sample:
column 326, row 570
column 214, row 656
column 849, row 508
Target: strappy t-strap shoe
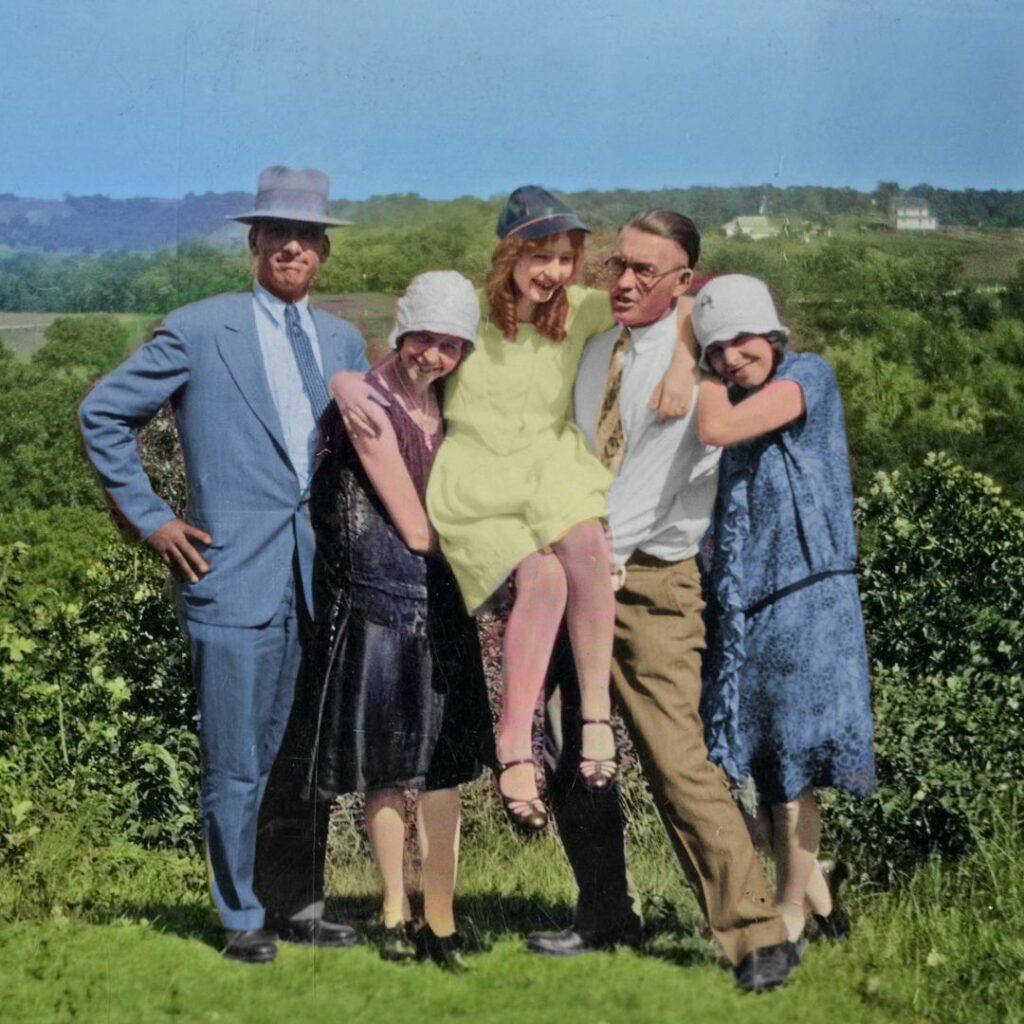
column 598, row 773
column 443, row 950
column 836, row 924
column 527, row 815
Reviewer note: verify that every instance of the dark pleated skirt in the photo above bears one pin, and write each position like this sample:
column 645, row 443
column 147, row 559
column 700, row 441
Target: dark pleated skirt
column 401, row 706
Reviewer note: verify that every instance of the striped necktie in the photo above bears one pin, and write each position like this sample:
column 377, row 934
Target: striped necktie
column 609, row 437
column 312, row 379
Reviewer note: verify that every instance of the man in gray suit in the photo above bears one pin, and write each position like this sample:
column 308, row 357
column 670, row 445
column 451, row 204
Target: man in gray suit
column 246, row 374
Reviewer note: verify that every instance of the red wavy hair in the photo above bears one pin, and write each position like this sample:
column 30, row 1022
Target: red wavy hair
column 549, row 317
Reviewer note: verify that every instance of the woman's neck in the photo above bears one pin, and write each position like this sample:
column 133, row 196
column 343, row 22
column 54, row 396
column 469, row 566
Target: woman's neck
column 525, row 310
column 416, row 395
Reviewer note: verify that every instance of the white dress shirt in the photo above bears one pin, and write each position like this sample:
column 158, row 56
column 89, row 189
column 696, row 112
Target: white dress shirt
column 662, row 498
column 293, row 408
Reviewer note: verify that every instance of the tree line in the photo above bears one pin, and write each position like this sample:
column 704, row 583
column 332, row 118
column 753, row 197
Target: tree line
column 99, row 223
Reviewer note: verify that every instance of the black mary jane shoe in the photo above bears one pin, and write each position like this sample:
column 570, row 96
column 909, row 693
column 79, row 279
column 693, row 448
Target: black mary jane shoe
column 526, row 816
column 398, row 942
column 604, row 770
column 836, row 924
column 255, row 946
column 443, row 950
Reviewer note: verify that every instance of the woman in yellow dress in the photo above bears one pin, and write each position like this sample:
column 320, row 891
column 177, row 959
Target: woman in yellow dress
column 515, row 490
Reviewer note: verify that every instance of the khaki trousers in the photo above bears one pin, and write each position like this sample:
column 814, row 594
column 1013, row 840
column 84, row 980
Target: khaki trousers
column 656, row 672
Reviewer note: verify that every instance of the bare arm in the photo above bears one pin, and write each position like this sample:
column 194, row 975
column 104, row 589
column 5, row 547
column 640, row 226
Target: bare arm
column 674, row 393
column 359, row 403
column 722, row 424
column 391, row 480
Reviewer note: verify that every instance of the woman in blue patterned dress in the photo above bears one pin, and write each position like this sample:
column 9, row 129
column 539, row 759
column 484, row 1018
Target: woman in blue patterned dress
column 787, row 702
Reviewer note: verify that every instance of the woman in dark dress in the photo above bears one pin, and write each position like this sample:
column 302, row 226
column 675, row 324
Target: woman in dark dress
column 403, row 702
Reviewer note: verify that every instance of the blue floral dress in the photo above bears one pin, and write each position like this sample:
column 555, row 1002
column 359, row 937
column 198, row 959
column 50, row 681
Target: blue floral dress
column 786, row 692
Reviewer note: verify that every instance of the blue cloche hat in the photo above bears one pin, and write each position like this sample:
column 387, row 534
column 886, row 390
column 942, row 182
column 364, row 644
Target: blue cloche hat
column 533, row 212
column 287, row 194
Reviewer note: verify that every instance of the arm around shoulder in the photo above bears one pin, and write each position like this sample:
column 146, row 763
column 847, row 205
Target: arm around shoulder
column 674, row 394
column 720, row 423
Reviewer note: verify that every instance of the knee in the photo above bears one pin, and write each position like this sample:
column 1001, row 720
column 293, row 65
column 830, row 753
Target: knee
column 586, row 544
column 540, row 579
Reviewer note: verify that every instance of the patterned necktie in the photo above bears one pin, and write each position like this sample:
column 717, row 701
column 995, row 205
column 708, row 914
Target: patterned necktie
column 609, row 436
column 312, row 379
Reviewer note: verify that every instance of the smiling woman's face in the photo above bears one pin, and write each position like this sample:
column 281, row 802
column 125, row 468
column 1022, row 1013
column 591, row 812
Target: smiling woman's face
column 747, row 361
column 544, row 267
column 427, row 356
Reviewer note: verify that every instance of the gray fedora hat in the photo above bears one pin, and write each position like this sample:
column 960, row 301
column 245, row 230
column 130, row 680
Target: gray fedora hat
column 286, row 194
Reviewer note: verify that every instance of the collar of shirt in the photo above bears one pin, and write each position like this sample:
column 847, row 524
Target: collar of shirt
column 649, row 336
column 274, row 307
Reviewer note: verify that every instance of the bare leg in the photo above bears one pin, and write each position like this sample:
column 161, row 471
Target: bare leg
column 385, row 826
column 438, row 820
column 818, row 899
column 590, row 616
column 796, row 833
column 529, row 638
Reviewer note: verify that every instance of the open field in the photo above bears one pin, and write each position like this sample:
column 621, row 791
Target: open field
column 24, row 333
column 989, row 257
column 371, row 312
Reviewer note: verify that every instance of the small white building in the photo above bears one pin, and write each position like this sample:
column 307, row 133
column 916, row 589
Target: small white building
column 755, row 228
column 908, row 213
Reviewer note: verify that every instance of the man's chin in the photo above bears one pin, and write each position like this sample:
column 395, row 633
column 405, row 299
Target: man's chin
column 624, row 311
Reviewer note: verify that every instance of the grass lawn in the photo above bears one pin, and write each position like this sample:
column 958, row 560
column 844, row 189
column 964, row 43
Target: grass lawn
column 122, row 934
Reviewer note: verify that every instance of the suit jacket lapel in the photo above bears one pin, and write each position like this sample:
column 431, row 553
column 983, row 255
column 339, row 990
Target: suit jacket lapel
column 331, row 355
column 239, row 347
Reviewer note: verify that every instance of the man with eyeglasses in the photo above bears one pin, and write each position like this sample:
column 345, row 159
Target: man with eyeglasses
column 246, row 375
column 659, row 508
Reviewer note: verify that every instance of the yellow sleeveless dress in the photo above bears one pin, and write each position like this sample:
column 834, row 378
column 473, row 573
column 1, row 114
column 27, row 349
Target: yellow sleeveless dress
column 514, row 473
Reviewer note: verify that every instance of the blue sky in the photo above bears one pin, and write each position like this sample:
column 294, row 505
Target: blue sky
column 161, row 98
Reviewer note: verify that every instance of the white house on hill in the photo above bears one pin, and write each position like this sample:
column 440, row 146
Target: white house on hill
column 750, row 227
column 908, row 213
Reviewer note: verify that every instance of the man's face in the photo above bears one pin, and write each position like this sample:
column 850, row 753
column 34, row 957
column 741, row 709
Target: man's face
column 647, row 274
column 288, row 255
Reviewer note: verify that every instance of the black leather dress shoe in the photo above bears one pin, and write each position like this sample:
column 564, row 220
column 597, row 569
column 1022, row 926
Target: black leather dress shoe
column 573, row 943
column 766, row 967
column 251, row 947
column 314, row 932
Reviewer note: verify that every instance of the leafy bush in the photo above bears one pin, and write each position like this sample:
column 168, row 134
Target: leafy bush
column 943, row 588
column 42, row 462
column 61, row 546
column 95, row 343
column 1013, row 296
column 95, row 703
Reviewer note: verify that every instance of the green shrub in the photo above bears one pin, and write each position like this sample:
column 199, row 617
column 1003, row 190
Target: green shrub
column 95, row 343
column 62, row 544
column 42, row 462
column 95, row 703
column 943, row 588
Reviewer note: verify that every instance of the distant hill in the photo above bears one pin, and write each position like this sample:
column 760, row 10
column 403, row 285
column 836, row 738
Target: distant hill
column 100, row 224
